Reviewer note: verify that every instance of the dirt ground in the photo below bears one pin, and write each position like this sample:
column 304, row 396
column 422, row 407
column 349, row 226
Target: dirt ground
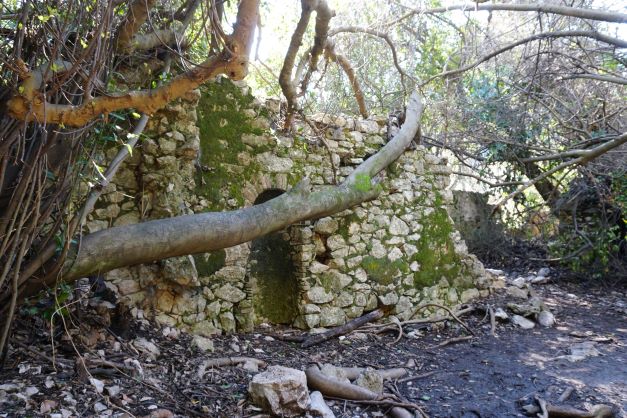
column 485, row 376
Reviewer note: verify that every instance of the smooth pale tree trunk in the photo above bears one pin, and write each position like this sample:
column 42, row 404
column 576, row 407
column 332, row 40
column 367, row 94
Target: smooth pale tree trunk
column 154, row 240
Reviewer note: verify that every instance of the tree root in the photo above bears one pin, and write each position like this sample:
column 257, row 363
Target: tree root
column 330, row 386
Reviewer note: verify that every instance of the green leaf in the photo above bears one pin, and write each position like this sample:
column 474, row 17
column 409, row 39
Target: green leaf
column 130, row 149
column 136, row 115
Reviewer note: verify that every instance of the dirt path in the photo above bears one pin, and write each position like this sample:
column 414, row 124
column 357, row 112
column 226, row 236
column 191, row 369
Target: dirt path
column 484, row 377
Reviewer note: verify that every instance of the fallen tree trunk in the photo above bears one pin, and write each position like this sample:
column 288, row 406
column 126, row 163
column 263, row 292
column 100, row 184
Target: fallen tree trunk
column 343, row 329
column 149, row 241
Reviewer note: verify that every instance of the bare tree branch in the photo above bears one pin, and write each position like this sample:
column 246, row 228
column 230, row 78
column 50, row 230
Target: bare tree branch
column 31, row 105
column 591, row 14
column 544, row 35
column 343, row 62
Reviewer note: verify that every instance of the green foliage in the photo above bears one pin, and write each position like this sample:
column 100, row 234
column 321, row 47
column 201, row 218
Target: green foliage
column 593, row 243
column 49, row 303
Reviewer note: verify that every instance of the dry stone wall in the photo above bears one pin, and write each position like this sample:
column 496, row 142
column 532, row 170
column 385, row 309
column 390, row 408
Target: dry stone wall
column 218, row 150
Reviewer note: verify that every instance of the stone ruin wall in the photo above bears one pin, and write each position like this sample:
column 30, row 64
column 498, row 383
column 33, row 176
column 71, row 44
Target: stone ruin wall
column 218, row 151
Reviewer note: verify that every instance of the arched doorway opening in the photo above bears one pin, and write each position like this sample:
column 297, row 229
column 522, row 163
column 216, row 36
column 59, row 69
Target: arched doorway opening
column 272, row 273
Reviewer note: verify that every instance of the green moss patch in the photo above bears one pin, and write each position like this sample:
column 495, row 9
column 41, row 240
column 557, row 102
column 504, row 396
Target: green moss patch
column 382, row 270
column 222, row 123
column 436, row 252
column 207, row 264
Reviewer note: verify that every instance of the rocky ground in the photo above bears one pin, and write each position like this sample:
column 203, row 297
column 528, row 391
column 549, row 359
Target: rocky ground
column 86, row 367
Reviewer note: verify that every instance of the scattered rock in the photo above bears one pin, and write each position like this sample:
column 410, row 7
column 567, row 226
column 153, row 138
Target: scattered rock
column 519, row 282
column 281, row 391
column 319, row 407
column 370, row 379
column 147, row 347
column 581, row 351
column 517, row 292
column 97, row 384
column 522, row 322
column 202, row 343
column 499, row 313
column 546, row 319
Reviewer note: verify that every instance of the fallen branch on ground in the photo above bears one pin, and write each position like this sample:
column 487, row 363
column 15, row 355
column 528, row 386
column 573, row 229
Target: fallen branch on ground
column 232, row 361
column 558, row 411
column 332, row 387
column 343, row 329
column 451, row 341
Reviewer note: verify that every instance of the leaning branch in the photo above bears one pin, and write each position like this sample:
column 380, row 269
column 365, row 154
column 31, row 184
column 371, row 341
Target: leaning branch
column 135, row 18
column 285, row 76
column 378, row 34
column 544, row 35
column 153, row 240
column 583, row 159
column 591, row 14
column 346, row 66
column 31, row 105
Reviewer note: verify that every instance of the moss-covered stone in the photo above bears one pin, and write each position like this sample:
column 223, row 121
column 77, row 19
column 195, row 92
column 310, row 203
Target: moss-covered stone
column 222, row 123
column 276, row 298
column 382, row 270
column 207, row 264
column 435, row 249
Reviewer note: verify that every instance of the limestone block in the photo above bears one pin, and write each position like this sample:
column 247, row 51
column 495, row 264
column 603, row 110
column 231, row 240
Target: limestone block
column 370, row 380
column 404, row 304
column 316, row 267
column 468, row 295
column 164, row 301
column 126, row 287
column 360, row 275
column 335, row 242
column 227, row 321
column 367, row 126
column 231, row 274
column 205, row 328
column 332, row 316
column 361, row 299
column 281, row 391
column 275, row 164
column 378, row 250
column 202, row 343
column 167, row 145
column 344, row 299
column 111, row 211
column 213, row 309
column 395, row 254
column 311, row 309
column 354, row 311
column 389, row 299
column 326, row 226
column 311, row 320
column 319, row 295
column 230, row 293
column 166, row 320
column 181, row 270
